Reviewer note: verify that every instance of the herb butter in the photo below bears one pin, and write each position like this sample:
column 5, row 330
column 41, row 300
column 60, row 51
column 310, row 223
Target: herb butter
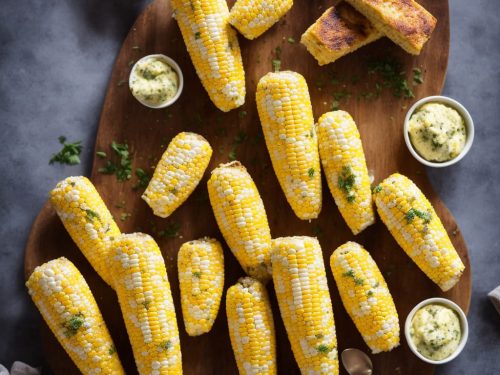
column 435, row 331
column 437, row 132
column 153, row 81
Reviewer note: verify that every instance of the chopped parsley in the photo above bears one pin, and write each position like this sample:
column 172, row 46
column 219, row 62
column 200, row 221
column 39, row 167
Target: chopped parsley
column 393, row 77
column 349, row 273
column 197, row 35
column 377, row 189
column 73, row 324
column 346, row 181
column 242, row 114
column 171, row 230
column 166, row 345
column 413, row 212
column 310, row 172
column 197, row 274
column 101, row 154
column 357, row 280
column 91, row 215
column 418, row 77
column 122, row 168
column 369, row 293
column 291, row 40
column 322, row 348
column 146, row 304
column 125, row 215
column 232, row 154
column 240, row 138
column 112, row 349
column 142, row 178
column 121, row 82
column 70, row 153
column 277, row 60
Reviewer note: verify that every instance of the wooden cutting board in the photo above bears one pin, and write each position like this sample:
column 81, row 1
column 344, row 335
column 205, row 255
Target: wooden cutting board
column 148, row 131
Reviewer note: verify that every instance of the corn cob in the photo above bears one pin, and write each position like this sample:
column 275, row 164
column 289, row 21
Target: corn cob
column 287, row 120
column 242, row 219
column 254, row 17
column 251, row 327
column 201, row 279
column 343, row 160
column 214, row 50
column 87, row 220
column 305, row 305
column 412, row 221
column 68, row 307
column 179, row 171
column 365, row 296
column 143, row 290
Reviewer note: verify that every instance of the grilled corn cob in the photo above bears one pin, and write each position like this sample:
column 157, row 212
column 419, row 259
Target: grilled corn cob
column 242, row 219
column 341, row 154
column 287, row 121
column 305, row 305
column 87, row 220
column 68, row 307
column 412, row 221
column 365, row 296
column 179, row 171
column 214, row 50
column 201, row 279
column 254, row 17
column 143, row 290
column 338, row 32
column 251, row 327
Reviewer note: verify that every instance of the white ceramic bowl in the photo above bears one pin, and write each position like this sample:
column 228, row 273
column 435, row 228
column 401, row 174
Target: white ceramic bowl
column 175, row 67
column 463, row 325
column 469, row 127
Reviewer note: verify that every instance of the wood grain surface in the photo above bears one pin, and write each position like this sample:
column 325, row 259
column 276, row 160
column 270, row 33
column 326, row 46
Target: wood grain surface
column 148, row 131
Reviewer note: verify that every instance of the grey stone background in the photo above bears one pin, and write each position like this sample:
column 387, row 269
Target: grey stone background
column 55, row 61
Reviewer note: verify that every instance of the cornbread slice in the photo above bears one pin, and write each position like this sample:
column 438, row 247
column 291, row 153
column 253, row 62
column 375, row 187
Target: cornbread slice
column 339, row 31
column 405, row 22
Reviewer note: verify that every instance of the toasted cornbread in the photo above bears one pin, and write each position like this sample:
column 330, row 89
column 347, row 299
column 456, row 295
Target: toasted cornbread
column 339, row 31
column 406, row 22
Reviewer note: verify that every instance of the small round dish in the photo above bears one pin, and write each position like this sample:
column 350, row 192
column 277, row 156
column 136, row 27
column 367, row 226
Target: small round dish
column 174, row 66
column 463, row 325
column 469, row 126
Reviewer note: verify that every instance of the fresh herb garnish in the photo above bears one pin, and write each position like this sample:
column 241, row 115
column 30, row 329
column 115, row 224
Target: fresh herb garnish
column 232, row 154
column 171, row 231
column 166, row 345
column 73, row 324
column 112, row 349
column 349, row 273
column 393, row 77
column 377, row 189
column 101, row 154
column 197, row 274
column 91, row 215
column 322, row 348
column 142, row 178
column 242, row 114
column 413, row 212
column 277, row 60
column 346, row 181
column 125, row 215
column 122, row 169
column 197, row 35
column 291, row 40
column 240, row 138
column 418, row 76
column 70, row 153
column 121, row 82
column 310, row 172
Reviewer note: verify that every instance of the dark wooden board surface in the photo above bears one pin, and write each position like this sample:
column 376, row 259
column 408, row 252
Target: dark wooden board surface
column 148, row 131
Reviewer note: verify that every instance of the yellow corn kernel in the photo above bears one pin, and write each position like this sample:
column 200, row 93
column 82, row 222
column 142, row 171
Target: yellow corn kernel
column 214, row 50
column 304, row 300
column 287, row 120
column 251, row 327
column 179, row 171
column 254, row 17
column 242, row 219
column 201, row 279
column 414, row 224
column 343, row 160
column 87, row 220
column 143, row 290
column 366, row 297
column 67, row 305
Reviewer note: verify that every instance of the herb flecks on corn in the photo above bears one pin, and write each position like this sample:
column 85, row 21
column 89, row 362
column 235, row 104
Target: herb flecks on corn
column 287, row 120
column 365, row 296
column 412, row 221
column 67, row 305
column 179, row 171
column 254, row 17
column 251, row 327
column 343, row 160
column 143, row 290
column 214, row 50
column 87, row 220
column 242, row 219
column 304, row 300
column 201, row 279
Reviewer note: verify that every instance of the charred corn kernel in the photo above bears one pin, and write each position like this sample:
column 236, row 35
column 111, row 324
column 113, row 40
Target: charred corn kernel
column 179, row 171
column 87, row 220
column 251, row 327
column 343, row 159
column 143, row 290
column 304, row 300
column 287, row 120
column 254, row 17
column 214, row 49
column 201, row 279
column 412, row 221
column 366, row 297
column 67, row 305
column 242, row 219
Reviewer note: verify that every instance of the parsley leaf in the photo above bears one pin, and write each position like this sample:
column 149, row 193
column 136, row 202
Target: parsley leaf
column 70, row 153
column 142, row 178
